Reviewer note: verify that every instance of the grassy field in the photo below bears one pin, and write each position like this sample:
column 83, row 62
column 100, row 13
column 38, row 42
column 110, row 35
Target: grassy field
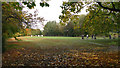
column 61, row 51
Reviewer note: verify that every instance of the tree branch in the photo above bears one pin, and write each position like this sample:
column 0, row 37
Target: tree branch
column 113, row 5
column 94, row 15
column 111, row 9
column 83, row 7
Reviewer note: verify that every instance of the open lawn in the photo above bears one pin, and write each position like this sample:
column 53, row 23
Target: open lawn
column 61, row 51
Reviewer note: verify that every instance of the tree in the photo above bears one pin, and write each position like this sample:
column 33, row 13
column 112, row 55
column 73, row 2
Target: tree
column 12, row 18
column 73, row 28
column 102, row 17
column 52, row 28
column 11, row 21
column 36, row 32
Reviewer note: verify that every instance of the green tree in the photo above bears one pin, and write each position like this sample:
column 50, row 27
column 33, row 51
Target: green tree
column 52, row 28
column 102, row 18
column 36, row 32
column 11, row 21
column 73, row 28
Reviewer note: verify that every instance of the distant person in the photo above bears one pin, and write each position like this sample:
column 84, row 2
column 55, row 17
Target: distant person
column 41, row 35
column 104, row 37
column 31, row 35
column 114, row 36
column 87, row 36
column 38, row 35
column 109, row 36
column 82, row 36
column 92, row 36
column 119, row 36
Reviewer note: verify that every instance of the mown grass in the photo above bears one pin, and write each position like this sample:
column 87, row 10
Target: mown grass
column 62, row 42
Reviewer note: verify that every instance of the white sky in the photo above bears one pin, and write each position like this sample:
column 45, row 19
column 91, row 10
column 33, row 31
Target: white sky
column 49, row 13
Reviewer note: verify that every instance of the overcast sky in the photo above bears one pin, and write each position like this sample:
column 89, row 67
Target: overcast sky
column 49, row 13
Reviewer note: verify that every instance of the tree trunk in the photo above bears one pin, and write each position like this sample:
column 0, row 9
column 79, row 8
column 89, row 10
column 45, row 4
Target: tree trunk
column 15, row 38
column 3, row 44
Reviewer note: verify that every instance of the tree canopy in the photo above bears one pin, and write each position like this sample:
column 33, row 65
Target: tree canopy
column 52, row 28
column 103, row 17
column 11, row 20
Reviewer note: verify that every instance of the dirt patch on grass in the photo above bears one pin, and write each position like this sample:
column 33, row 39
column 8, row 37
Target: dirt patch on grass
column 11, row 39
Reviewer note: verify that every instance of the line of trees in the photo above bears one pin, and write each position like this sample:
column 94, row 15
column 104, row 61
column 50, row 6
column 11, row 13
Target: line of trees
column 73, row 28
column 28, row 32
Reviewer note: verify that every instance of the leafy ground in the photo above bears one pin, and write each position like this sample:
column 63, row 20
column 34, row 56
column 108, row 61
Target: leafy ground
column 61, row 51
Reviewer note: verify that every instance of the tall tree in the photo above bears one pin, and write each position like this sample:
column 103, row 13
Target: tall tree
column 52, row 28
column 11, row 21
column 73, row 28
